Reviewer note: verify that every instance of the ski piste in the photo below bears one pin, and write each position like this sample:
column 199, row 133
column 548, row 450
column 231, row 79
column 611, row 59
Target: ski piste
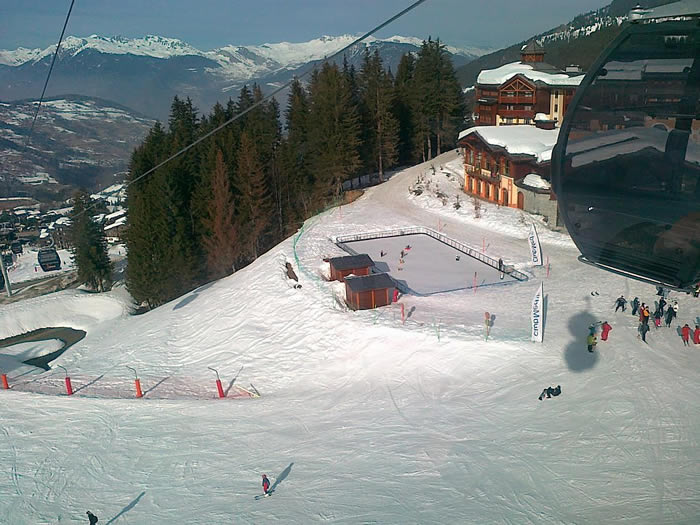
column 335, row 380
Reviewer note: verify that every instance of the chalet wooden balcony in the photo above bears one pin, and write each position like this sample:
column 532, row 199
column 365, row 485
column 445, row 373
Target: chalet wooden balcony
column 483, row 174
column 503, row 99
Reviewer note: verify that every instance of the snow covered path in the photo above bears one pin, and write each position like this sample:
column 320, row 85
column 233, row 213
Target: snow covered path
column 367, row 419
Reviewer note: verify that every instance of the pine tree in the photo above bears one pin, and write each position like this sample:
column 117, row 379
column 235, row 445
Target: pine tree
column 89, row 246
column 438, row 100
column 333, row 132
column 220, row 239
column 403, row 108
column 295, row 155
column 381, row 127
column 254, row 204
column 147, row 233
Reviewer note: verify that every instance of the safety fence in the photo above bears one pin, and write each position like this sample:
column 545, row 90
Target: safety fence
column 105, row 387
column 413, row 230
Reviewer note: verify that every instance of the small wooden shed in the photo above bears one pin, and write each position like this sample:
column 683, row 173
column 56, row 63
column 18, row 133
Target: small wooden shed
column 355, row 264
column 369, row 291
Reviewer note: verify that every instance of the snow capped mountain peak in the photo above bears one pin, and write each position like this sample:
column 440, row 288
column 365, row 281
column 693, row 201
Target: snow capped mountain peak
column 285, row 54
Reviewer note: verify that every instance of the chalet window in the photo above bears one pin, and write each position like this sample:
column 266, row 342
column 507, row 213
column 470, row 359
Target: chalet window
column 556, row 107
column 509, row 94
column 506, row 168
column 527, row 108
column 471, row 157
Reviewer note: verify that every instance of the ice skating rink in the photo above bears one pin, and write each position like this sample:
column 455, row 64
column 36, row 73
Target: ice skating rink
column 429, row 265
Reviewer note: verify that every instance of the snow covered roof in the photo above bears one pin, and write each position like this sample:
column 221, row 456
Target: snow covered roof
column 541, row 116
column 115, row 224
column 504, row 73
column 522, row 139
column 536, row 181
column 115, row 215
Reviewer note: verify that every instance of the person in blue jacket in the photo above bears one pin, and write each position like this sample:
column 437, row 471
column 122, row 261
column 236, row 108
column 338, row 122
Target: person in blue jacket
column 265, row 484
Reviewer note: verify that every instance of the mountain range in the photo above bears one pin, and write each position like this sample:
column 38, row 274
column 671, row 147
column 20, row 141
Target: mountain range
column 146, row 73
column 578, row 41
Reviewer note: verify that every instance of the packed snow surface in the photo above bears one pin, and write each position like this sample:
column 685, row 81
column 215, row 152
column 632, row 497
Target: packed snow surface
column 504, row 73
column 519, row 138
column 362, row 419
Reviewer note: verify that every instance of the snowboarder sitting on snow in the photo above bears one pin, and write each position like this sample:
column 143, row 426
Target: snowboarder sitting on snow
column 549, row 392
column 93, row 519
column 620, row 303
column 265, row 484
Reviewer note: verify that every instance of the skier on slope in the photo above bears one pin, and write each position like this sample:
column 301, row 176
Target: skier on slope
column 620, row 303
column 93, row 519
column 670, row 314
column 592, row 341
column 644, row 314
column 265, row 484
column 643, row 329
column 662, row 305
column 635, row 305
column 605, row 330
column 685, row 334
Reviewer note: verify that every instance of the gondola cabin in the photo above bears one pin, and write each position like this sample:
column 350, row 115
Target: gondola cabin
column 626, row 167
column 49, row 259
column 341, row 267
column 369, row 291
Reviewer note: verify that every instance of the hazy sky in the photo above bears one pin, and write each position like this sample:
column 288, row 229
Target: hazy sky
column 207, row 24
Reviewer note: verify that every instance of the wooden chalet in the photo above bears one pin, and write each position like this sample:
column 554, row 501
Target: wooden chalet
column 516, row 92
column 369, row 291
column 500, row 161
column 350, row 264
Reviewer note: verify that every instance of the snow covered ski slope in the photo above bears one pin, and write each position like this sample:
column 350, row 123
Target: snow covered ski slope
column 362, row 419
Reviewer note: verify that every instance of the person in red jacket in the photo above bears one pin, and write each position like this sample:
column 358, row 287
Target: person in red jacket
column 685, row 334
column 696, row 335
column 265, row 484
column 605, row 330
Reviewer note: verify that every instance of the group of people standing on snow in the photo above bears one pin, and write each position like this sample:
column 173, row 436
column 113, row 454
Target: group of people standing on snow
column 668, row 316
